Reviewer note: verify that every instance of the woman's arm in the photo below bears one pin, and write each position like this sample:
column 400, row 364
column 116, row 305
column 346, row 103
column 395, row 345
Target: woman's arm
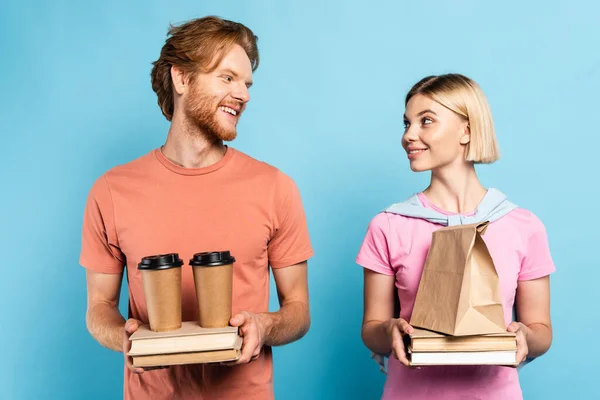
column 533, row 313
column 381, row 333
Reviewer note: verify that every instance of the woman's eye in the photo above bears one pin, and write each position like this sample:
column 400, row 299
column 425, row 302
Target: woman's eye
column 406, row 125
column 228, row 78
column 427, row 121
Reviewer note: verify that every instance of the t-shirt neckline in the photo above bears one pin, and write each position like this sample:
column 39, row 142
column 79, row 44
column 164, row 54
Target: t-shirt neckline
column 429, row 204
column 158, row 154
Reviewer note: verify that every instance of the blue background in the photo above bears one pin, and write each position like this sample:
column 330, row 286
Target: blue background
column 326, row 109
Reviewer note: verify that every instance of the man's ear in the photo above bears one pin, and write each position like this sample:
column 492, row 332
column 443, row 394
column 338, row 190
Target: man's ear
column 179, row 78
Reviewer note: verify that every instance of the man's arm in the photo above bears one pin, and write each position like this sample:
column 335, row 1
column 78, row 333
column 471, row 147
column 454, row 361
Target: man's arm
column 103, row 318
column 286, row 325
column 292, row 320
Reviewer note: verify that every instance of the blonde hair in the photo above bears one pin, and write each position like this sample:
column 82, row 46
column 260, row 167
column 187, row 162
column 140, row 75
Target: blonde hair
column 464, row 96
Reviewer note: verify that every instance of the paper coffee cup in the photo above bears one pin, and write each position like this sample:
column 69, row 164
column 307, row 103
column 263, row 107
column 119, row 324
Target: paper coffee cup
column 213, row 278
column 161, row 278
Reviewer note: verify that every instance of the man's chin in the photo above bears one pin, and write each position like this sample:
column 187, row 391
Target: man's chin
column 227, row 136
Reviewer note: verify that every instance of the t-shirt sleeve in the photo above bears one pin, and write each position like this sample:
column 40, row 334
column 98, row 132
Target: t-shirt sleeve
column 374, row 252
column 290, row 243
column 100, row 249
column 537, row 261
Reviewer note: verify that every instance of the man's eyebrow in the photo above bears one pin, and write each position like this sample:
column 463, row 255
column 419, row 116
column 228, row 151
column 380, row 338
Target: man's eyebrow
column 235, row 75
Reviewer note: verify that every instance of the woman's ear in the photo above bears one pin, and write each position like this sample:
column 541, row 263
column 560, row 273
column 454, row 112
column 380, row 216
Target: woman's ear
column 465, row 138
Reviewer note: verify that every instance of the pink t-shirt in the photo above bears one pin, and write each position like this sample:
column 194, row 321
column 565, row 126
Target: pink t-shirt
column 398, row 245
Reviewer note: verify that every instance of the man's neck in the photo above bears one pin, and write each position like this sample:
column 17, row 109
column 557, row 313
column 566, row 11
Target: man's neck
column 190, row 148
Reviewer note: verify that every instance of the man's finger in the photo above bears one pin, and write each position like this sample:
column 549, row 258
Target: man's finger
column 129, row 365
column 154, row 368
column 238, row 320
column 256, row 352
column 245, row 330
column 131, row 326
column 248, row 348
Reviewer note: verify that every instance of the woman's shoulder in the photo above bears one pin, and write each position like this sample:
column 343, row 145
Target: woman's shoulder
column 521, row 223
column 390, row 219
column 525, row 218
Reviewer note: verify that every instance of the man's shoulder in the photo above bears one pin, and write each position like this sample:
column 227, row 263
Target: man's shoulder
column 121, row 174
column 260, row 168
column 140, row 165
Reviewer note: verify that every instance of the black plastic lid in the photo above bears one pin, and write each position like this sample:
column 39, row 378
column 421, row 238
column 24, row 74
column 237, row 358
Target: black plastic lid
column 161, row 261
column 212, row 259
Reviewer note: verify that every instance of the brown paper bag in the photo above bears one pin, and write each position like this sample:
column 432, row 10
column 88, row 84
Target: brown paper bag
column 459, row 291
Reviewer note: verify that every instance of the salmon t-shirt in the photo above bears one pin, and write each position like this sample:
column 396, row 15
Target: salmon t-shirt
column 151, row 206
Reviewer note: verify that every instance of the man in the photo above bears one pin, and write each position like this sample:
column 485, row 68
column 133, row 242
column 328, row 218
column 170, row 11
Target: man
column 196, row 194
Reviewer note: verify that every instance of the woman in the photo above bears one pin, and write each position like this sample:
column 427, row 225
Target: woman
column 449, row 129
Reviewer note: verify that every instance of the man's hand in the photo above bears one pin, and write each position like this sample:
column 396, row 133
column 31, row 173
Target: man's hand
column 281, row 327
column 253, row 328
column 131, row 326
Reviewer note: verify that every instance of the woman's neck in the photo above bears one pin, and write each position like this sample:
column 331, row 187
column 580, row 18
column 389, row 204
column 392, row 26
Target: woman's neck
column 455, row 188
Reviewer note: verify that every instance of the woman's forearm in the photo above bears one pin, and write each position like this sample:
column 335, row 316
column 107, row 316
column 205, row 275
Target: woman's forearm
column 375, row 337
column 539, row 339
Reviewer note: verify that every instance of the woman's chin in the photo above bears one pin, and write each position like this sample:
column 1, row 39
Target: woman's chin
column 415, row 167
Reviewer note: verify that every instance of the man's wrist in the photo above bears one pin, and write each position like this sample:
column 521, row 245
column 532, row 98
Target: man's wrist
column 266, row 321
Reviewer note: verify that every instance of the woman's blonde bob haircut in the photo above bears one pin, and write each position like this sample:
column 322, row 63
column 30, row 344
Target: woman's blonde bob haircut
column 463, row 96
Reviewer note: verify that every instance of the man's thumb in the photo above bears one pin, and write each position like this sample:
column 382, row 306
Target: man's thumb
column 131, row 325
column 238, row 320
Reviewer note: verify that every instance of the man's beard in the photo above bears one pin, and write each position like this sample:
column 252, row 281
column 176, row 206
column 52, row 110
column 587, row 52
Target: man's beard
column 201, row 111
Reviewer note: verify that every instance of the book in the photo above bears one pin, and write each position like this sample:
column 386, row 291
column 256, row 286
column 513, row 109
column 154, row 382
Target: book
column 422, row 340
column 189, row 338
column 426, row 347
column 200, row 357
column 190, row 344
column 463, row 358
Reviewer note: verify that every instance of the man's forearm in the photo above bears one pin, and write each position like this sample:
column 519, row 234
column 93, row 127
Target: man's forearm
column 288, row 324
column 105, row 323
